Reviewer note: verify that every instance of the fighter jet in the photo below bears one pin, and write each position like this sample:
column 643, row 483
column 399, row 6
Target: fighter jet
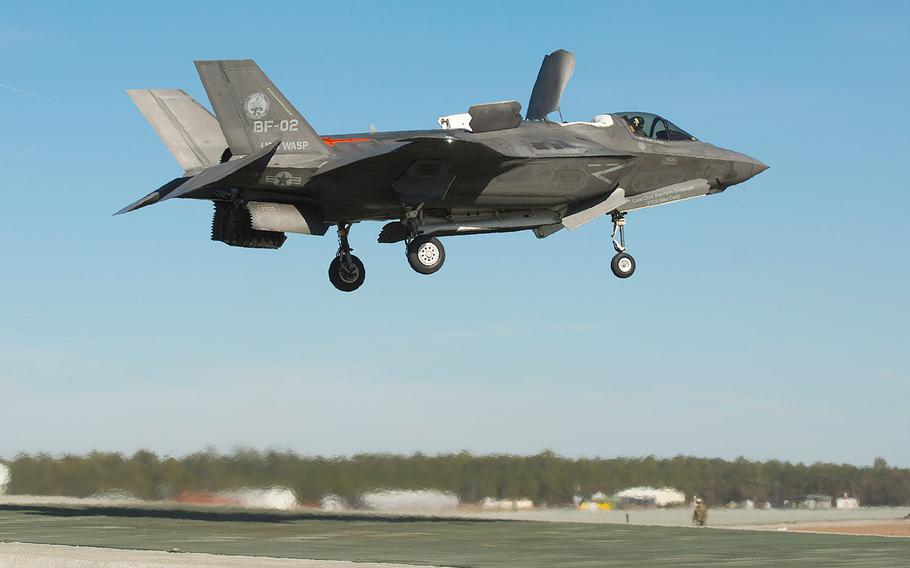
column 488, row 170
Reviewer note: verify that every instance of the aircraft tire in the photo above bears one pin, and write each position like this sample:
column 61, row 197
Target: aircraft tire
column 426, row 255
column 344, row 280
column 622, row 265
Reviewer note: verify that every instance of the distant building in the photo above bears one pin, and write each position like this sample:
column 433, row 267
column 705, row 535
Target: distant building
column 400, row 501
column 816, row 501
column 253, row 498
column 332, row 502
column 846, row 502
column 267, row 498
column 598, row 502
column 494, row 504
column 595, row 506
column 4, row 478
column 649, row 497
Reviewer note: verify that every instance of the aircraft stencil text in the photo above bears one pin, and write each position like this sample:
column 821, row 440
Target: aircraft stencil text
column 292, row 125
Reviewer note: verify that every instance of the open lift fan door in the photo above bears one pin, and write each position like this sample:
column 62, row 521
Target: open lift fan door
column 554, row 74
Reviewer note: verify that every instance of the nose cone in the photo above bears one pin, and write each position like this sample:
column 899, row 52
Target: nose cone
column 758, row 167
column 745, row 167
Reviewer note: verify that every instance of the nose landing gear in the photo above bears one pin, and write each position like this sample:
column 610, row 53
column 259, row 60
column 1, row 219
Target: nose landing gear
column 622, row 265
column 346, row 271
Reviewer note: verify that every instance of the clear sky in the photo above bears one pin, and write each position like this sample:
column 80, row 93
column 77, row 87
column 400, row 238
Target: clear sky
column 770, row 321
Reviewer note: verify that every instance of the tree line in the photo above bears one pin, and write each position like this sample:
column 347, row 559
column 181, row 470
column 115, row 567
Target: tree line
column 547, row 478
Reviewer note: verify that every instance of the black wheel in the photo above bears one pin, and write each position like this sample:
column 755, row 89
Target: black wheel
column 622, row 265
column 347, row 278
column 426, row 254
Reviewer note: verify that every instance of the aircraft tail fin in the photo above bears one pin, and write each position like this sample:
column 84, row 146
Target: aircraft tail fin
column 253, row 113
column 188, row 130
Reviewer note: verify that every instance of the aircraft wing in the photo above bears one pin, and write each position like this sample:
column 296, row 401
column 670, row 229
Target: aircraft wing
column 419, row 169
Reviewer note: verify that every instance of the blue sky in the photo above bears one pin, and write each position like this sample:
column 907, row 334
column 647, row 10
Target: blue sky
column 770, row 321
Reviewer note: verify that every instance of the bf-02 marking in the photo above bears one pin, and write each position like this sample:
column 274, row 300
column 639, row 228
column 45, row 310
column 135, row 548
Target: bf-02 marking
column 291, row 125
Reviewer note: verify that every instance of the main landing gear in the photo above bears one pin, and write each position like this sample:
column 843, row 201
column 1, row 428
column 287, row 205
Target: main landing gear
column 622, row 265
column 346, row 272
column 425, row 254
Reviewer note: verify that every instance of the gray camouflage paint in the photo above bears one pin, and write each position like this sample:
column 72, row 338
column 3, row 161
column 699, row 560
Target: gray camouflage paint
column 526, row 177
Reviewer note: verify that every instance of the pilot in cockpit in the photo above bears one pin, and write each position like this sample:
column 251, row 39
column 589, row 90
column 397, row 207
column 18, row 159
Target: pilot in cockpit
column 636, row 125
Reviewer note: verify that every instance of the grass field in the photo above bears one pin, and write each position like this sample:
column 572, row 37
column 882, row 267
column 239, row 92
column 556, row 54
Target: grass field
column 479, row 543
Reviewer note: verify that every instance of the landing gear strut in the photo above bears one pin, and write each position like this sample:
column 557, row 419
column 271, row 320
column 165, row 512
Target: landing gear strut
column 622, row 265
column 346, row 272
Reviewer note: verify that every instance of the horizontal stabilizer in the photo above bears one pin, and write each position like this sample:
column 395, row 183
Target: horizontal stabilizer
column 155, row 196
column 190, row 132
column 254, row 163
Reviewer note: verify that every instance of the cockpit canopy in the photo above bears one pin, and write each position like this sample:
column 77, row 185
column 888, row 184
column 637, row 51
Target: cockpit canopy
column 649, row 125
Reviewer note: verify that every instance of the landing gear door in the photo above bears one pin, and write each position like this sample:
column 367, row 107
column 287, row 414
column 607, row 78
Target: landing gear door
column 425, row 180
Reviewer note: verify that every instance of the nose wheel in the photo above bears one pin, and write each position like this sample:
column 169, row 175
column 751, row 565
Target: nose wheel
column 426, row 255
column 622, row 265
column 346, row 271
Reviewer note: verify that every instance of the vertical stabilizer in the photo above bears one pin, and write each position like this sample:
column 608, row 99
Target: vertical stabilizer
column 253, row 113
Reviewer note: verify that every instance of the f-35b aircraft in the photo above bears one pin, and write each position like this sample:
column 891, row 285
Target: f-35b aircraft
column 484, row 171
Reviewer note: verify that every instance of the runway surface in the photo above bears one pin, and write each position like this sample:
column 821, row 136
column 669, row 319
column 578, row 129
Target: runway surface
column 438, row 542
column 20, row 555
